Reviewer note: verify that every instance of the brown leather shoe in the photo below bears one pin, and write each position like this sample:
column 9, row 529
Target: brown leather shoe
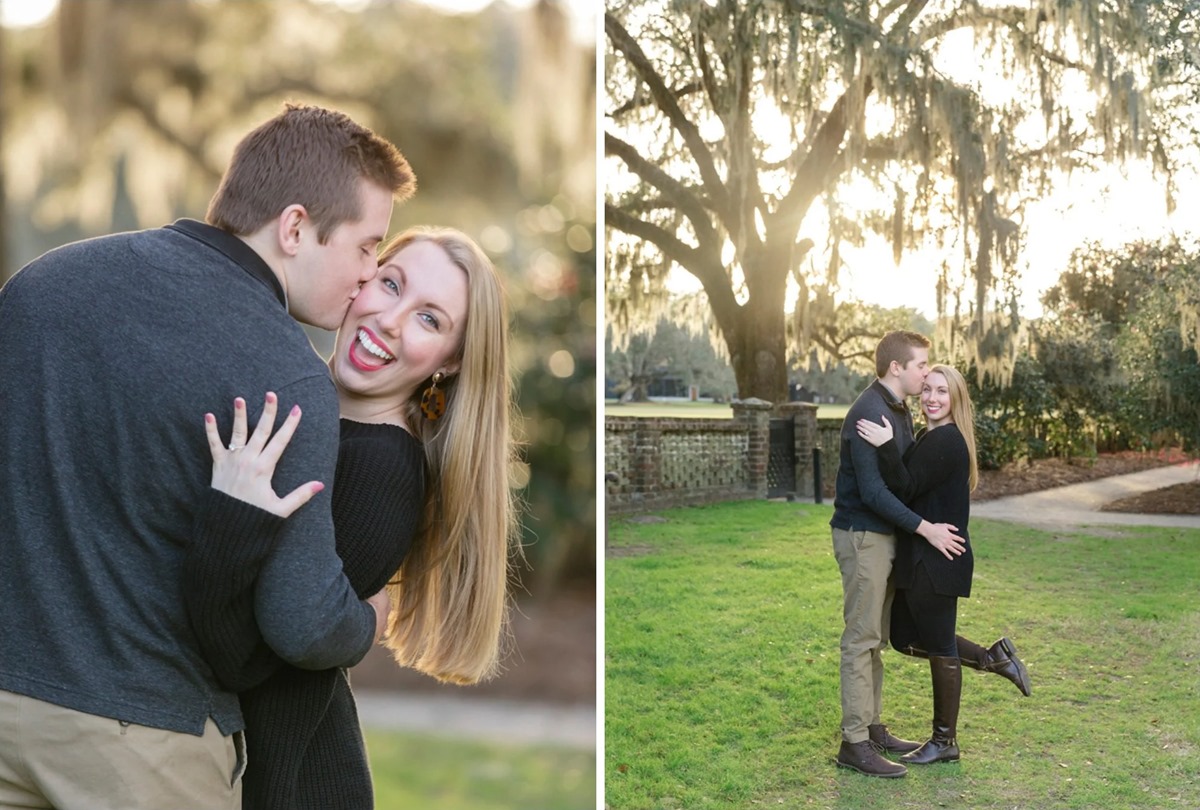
column 885, row 742
column 863, row 757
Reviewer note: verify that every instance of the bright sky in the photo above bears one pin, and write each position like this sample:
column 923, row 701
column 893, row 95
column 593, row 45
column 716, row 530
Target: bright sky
column 1112, row 206
column 22, row 13
column 1107, row 207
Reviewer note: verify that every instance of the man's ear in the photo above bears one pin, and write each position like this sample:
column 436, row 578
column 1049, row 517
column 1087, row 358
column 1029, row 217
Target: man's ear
column 289, row 225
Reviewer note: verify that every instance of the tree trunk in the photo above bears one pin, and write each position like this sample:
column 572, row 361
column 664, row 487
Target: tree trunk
column 758, row 350
column 639, row 390
column 757, row 340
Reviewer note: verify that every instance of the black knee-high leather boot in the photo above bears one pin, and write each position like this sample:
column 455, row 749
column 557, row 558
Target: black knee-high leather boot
column 1000, row 658
column 942, row 746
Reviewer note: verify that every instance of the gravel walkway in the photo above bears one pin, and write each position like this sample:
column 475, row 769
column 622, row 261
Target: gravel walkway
column 499, row 721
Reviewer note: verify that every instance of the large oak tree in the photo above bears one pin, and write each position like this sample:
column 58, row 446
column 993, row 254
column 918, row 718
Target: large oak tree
column 739, row 134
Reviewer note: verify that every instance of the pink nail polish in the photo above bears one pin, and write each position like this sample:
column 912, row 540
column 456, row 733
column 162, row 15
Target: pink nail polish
column 295, row 410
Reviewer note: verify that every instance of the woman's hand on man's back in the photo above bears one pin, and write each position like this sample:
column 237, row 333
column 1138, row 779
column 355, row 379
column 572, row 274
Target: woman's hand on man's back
column 243, row 469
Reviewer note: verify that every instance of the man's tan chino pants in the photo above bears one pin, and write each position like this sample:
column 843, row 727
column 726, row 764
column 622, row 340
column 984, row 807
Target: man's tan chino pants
column 865, row 559
column 53, row 757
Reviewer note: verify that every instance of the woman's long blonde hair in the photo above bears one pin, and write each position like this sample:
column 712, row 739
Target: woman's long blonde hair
column 962, row 413
column 450, row 603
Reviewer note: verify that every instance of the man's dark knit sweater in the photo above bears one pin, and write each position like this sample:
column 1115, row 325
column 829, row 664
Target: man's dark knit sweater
column 862, row 501
column 111, row 351
column 304, row 744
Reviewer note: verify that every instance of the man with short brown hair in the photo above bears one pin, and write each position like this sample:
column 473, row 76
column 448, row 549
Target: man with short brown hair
column 111, row 351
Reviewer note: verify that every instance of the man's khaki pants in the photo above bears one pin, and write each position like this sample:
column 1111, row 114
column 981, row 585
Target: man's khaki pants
column 865, row 559
column 53, row 757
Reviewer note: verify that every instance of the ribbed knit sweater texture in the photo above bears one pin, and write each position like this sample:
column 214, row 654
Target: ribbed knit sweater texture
column 304, row 743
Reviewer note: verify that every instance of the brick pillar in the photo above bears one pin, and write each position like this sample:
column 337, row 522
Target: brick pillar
column 755, row 416
column 804, row 421
column 645, row 462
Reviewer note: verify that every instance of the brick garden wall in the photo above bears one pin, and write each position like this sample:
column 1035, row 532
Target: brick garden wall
column 661, row 462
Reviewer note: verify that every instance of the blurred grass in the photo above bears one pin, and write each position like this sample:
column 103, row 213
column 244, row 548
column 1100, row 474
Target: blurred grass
column 721, row 684
column 419, row 771
column 697, row 410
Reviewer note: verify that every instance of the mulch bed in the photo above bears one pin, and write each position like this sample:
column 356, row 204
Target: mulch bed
column 1023, row 477
column 1180, row 499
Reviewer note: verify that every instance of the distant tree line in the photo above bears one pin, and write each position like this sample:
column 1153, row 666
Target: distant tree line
column 1111, row 365
column 675, row 358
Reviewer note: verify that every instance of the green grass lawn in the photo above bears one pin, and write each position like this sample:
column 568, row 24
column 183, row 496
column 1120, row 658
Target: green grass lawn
column 722, row 628
column 697, row 410
column 419, row 771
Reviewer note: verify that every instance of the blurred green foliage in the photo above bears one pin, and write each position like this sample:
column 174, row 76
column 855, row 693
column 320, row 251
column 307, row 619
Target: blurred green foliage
column 415, row 770
column 1112, row 364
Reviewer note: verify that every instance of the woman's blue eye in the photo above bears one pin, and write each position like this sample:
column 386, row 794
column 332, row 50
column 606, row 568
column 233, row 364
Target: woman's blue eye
column 391, row 285
column 430, row 319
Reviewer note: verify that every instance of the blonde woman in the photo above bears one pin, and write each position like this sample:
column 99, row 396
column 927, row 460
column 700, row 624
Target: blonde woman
column 935, row 478
column 421, row 506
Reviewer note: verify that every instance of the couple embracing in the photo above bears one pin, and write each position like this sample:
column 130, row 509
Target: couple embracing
column 901, row 542
column 173, row 632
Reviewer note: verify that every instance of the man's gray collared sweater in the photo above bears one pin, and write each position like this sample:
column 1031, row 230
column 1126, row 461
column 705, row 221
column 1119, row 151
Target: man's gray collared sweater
column 111, row 352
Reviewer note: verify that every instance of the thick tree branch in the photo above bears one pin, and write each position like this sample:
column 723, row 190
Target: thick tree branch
column 743, row 170
column 699, row 263
column 666, row 102
column 707, row 78
column 907, row 17
column 813, row 174
column 887, row 11
column 717, row 98
column 679, row 194
column 1007, row 16
column 638, row 103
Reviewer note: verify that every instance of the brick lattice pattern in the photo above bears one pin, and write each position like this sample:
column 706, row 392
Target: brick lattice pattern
column 660, row 462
